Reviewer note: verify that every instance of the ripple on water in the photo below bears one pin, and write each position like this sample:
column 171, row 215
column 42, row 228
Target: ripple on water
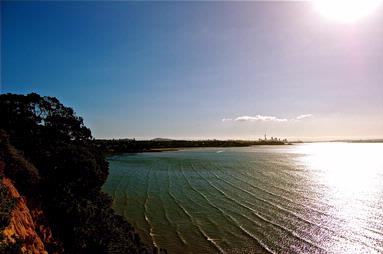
column 246, row 200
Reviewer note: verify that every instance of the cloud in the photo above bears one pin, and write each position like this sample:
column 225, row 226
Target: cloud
column 300, row 117
column 257, row 118
column 261, row 118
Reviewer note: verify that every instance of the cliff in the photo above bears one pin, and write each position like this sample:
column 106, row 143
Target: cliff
column 21, row 229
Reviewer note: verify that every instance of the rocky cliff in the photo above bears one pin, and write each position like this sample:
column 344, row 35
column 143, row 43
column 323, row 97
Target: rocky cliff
column 21, row 230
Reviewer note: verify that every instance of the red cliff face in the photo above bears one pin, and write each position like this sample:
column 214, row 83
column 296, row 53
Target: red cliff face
column 21, row 224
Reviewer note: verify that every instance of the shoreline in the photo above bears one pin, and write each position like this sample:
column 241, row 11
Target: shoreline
column 175, row 149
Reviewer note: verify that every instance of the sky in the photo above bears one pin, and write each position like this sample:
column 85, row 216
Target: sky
column 197, row 70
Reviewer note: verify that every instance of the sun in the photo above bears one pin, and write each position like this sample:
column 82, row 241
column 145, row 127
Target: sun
column 346, row 11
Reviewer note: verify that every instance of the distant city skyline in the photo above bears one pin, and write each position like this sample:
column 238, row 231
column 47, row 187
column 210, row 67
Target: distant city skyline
column 199, row 70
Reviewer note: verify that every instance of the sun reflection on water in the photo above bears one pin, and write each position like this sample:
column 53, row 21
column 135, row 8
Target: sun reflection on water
column 349, row 178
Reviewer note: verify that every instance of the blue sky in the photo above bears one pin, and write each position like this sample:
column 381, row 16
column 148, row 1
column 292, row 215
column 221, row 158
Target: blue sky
column 199, row 70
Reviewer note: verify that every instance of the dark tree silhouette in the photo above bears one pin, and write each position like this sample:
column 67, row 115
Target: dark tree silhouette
column 64, row 171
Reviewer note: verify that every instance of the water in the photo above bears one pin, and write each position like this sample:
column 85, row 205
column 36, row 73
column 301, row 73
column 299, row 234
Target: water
column 307, row 198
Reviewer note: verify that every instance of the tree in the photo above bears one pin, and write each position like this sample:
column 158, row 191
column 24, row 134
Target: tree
column 69, row 171
column 30, row 118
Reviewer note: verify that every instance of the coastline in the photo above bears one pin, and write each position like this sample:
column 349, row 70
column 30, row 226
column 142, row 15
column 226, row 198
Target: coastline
column 119, row 146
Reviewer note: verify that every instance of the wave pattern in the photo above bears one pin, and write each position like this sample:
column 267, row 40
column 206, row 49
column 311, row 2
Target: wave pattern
column 251, row 200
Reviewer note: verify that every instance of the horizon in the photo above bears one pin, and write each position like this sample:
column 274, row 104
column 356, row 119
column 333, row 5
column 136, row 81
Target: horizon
column 199, row 70
column 293, row 140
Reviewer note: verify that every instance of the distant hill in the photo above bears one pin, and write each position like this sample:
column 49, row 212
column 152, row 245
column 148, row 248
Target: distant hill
column 162, row 139
column 136, row 146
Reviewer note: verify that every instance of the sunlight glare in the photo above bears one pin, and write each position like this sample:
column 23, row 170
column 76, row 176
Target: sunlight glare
column 346, row 11
column 344, row 168
column 349, row 176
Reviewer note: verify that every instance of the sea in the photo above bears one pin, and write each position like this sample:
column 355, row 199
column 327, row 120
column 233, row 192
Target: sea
column 300, row 198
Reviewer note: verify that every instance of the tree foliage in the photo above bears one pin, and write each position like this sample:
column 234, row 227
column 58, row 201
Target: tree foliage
column 69, row 176
column 32, row 118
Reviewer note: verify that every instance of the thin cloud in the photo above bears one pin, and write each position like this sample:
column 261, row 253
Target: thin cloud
column 300, row 117
column 262, row 118
column 257, row 118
